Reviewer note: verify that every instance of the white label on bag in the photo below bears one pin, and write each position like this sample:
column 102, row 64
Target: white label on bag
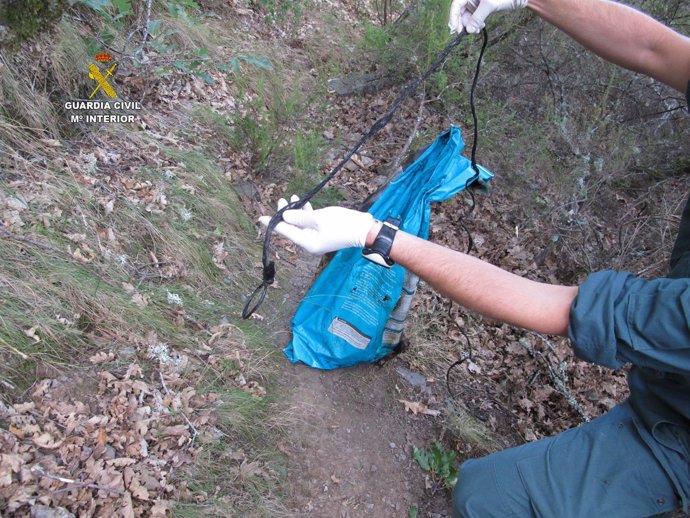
column 349, row 333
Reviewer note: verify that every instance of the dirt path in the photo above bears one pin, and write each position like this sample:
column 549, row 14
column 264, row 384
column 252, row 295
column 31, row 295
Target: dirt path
column 350, row 442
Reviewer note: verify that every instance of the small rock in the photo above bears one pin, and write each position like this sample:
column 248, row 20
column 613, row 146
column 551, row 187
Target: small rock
column 414, row 379
column 246, row 190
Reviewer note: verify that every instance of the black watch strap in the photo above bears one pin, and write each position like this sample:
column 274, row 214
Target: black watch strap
column 380, row 251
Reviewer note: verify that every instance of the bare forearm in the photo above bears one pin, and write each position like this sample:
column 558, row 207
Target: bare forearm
column 484, row 288
column 622, row 35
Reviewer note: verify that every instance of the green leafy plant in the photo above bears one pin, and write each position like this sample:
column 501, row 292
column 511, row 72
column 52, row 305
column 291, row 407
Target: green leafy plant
column 282, row 11
column 24, row 20
column 306, row 151
column 406, row 48
column 112, row 11
column 439, row 462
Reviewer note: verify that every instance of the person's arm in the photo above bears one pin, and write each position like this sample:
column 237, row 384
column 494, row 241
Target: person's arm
column 471, row 282
column 622, row 35
column 616, row 32
column 483, row 287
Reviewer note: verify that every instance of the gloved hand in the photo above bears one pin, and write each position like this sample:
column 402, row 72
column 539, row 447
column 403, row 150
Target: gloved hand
column 471, row 14
column 323, row 230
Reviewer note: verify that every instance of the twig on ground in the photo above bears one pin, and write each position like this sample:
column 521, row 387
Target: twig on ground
column 413, row 134
column 195, row 432
column 39, row 470
column 557, row 373
column 11, row 348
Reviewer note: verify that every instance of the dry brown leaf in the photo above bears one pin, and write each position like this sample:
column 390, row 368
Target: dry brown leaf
column 174, row 431
column 127, row 510
column 9, row 463
column 23, row 425
column 23, row 408
column 160, row 509
column 102, row 357
column 473, row 367
column 140, row 300
column 120, row 462
column 47, row 441
column 134, row 370
column 23, row 495
column 416, row 407
column 526, row 404
column 83, row 254
column 219, row 254
column 32, row 333
column 102, row 438
column 50, row 142
column 133, row 483
column 76, row 238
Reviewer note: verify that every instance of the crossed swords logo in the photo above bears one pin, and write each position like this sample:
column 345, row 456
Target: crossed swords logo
column 100, row 78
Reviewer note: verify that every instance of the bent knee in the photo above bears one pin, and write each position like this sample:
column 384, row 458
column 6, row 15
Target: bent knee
column 475, row 494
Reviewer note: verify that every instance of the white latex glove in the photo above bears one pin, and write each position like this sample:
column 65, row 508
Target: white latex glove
column 471, row 14
column 323, row 230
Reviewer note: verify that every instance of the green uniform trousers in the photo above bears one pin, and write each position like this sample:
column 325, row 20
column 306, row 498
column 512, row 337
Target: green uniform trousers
column 599, row 469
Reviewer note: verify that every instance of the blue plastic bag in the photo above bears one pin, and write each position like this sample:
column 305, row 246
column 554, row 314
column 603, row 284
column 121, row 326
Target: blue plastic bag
column 354, row 311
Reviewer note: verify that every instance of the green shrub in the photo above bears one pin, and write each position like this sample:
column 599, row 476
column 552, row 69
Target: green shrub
column 440, row 463
column 24, row 19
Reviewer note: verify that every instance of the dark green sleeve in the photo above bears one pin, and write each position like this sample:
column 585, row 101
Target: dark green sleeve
column 618, row 318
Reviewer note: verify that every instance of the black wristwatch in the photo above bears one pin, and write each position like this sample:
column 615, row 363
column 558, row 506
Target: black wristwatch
column 380, row 251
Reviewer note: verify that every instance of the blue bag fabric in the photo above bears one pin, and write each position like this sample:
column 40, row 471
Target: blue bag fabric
column 345, row 318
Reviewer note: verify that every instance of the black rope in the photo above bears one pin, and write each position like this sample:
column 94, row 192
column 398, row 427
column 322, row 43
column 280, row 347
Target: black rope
column 464, row 357
column 268, row 265
column 470, row 241
column 472, row 103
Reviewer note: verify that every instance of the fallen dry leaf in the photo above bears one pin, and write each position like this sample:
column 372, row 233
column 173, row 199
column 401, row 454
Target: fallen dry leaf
column 9, row 464
column 101, row 357
column 473, row 367
column 102, row 437
column 140, row 300
column 33, row 334
column 47, row 441
column 417, row 407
